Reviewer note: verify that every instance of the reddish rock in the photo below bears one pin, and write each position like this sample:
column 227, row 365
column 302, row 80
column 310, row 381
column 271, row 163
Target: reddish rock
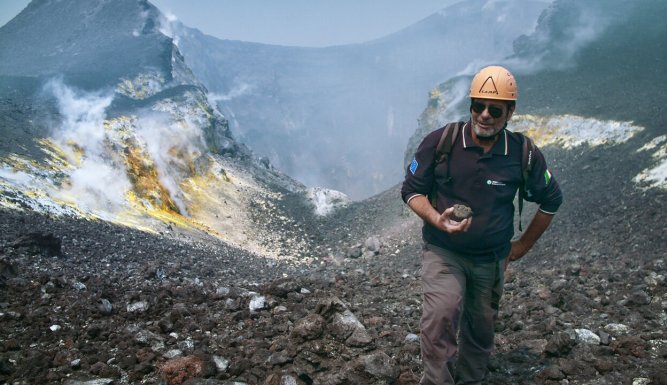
column 178, row 370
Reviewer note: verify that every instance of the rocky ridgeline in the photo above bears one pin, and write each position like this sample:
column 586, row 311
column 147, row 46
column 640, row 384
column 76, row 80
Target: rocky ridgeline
column 90, row 303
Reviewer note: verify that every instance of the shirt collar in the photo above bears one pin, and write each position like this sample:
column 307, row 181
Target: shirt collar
column 499, row 148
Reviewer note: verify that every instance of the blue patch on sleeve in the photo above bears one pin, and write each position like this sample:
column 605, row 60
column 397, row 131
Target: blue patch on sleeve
column 413, row 166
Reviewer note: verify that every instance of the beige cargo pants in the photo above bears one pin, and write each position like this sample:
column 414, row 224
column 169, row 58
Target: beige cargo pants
column 457, row 293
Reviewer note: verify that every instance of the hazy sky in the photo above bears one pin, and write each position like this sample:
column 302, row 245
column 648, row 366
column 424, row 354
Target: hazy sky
column 287, row 22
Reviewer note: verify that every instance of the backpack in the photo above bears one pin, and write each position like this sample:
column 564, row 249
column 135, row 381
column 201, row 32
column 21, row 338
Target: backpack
column 447, row 140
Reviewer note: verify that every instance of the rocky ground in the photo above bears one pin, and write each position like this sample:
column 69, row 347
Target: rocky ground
column 92, row 303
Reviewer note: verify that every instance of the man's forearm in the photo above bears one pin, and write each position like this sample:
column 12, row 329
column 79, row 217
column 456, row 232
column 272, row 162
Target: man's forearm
column 538, row 225
column 422, row 207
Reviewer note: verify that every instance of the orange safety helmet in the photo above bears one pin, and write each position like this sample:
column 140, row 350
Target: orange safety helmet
column 494, row 82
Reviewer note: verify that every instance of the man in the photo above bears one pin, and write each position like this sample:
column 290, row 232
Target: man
column 463, row 262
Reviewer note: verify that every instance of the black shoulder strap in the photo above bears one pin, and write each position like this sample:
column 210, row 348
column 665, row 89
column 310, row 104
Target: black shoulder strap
column 527, row 151
column 445, row 144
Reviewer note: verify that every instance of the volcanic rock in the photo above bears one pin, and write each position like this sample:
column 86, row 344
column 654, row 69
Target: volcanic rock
column 461, row 212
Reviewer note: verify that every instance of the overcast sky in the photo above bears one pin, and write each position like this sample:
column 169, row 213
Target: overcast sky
column 312, row 23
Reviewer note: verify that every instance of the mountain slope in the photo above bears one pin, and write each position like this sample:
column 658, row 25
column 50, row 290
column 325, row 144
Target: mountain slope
column 608, row 182
column 93, row 44
column 616, row 76
column 102, row 119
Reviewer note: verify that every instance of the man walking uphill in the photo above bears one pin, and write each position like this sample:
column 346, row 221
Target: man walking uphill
column 464, row 260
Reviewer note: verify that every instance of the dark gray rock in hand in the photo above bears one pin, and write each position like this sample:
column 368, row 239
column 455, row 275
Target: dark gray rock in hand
column 461, row 212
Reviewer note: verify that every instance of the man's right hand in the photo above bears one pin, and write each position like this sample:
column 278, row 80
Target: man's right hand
column 446, row 224
column 422, row 207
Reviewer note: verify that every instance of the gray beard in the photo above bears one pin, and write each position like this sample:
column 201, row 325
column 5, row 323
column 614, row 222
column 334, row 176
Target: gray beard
column 489, row 137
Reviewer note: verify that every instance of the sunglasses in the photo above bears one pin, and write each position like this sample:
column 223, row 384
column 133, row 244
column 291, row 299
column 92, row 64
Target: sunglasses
column 494, row 111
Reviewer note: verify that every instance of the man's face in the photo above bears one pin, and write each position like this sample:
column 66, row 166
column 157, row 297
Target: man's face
column 489, row 117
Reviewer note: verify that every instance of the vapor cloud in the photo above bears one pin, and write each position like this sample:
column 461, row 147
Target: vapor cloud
column 82, row 114
column 95, row 182
column 167, row 139
column 167, row 23
column 236, row 91
column 564, row 29
column 175, row 145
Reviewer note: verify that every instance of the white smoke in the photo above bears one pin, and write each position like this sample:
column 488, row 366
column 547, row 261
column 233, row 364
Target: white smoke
column 171, row 144
column 98, row 186
column 95, row 183
column 326, row 200
column 82, row 114
column 236, row 91
column 137, row 31
column 167, row 26
column 565, row 28
column 17, row 178
column 655, row 176
column 457, row 99
column 90, row 156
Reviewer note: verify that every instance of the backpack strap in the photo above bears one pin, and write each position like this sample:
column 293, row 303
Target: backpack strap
column 445, row 144
column 527, row 151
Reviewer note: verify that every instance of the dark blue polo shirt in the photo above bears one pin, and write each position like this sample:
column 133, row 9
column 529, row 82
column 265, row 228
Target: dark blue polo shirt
column 487, row 183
